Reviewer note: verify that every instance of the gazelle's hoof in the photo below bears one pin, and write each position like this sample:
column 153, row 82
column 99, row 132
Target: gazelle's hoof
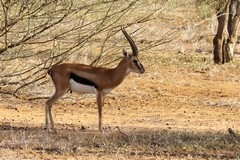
column 50, row 130
column 100, row 130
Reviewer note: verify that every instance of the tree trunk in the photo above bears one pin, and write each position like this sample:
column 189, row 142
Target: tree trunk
column 233, row 24
column 226, row 37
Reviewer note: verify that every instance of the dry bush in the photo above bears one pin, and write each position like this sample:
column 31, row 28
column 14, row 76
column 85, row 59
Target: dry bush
column 35, row 36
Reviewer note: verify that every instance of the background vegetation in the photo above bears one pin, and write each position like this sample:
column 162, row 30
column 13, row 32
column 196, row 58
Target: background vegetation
column 36, row 35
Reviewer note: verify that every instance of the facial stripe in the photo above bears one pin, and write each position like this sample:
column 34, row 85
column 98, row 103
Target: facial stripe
column 137, row 64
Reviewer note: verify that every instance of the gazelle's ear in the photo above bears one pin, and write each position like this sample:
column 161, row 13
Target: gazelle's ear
column 125, row 53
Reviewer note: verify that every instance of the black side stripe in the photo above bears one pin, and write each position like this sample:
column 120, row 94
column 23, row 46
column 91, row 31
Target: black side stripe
column 82, row 80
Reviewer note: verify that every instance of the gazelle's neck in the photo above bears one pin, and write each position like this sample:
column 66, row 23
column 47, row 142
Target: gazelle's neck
column 122, row 68
column 120, row 71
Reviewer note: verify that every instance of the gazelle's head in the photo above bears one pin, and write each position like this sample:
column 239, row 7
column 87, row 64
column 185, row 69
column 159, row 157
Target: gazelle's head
column 133, row 62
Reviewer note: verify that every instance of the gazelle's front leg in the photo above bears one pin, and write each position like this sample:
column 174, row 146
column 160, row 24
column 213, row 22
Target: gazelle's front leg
column 100, row 103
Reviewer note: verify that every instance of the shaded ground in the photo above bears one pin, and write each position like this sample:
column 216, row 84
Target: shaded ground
column 182, row 98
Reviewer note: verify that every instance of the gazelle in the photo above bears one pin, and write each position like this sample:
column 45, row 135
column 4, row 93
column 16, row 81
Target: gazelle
column 85, row 79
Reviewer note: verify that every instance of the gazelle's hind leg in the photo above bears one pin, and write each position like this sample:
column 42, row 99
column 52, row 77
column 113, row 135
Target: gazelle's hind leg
column 48, row 107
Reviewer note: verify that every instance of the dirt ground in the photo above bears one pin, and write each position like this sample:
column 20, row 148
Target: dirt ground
column 169, row 96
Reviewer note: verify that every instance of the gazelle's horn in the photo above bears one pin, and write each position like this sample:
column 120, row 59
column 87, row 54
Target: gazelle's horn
column 131, row 42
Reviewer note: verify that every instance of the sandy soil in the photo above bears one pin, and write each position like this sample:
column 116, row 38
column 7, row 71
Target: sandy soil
column 166, row 97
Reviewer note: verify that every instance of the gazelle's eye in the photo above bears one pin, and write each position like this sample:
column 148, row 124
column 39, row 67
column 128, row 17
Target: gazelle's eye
column 135, row 61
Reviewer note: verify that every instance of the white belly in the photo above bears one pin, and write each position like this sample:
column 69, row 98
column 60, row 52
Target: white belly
column 81, row 88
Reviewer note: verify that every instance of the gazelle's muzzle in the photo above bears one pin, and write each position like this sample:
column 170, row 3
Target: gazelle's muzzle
column 142, row 69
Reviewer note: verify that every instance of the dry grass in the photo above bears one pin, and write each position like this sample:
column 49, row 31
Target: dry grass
column 126, row 143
